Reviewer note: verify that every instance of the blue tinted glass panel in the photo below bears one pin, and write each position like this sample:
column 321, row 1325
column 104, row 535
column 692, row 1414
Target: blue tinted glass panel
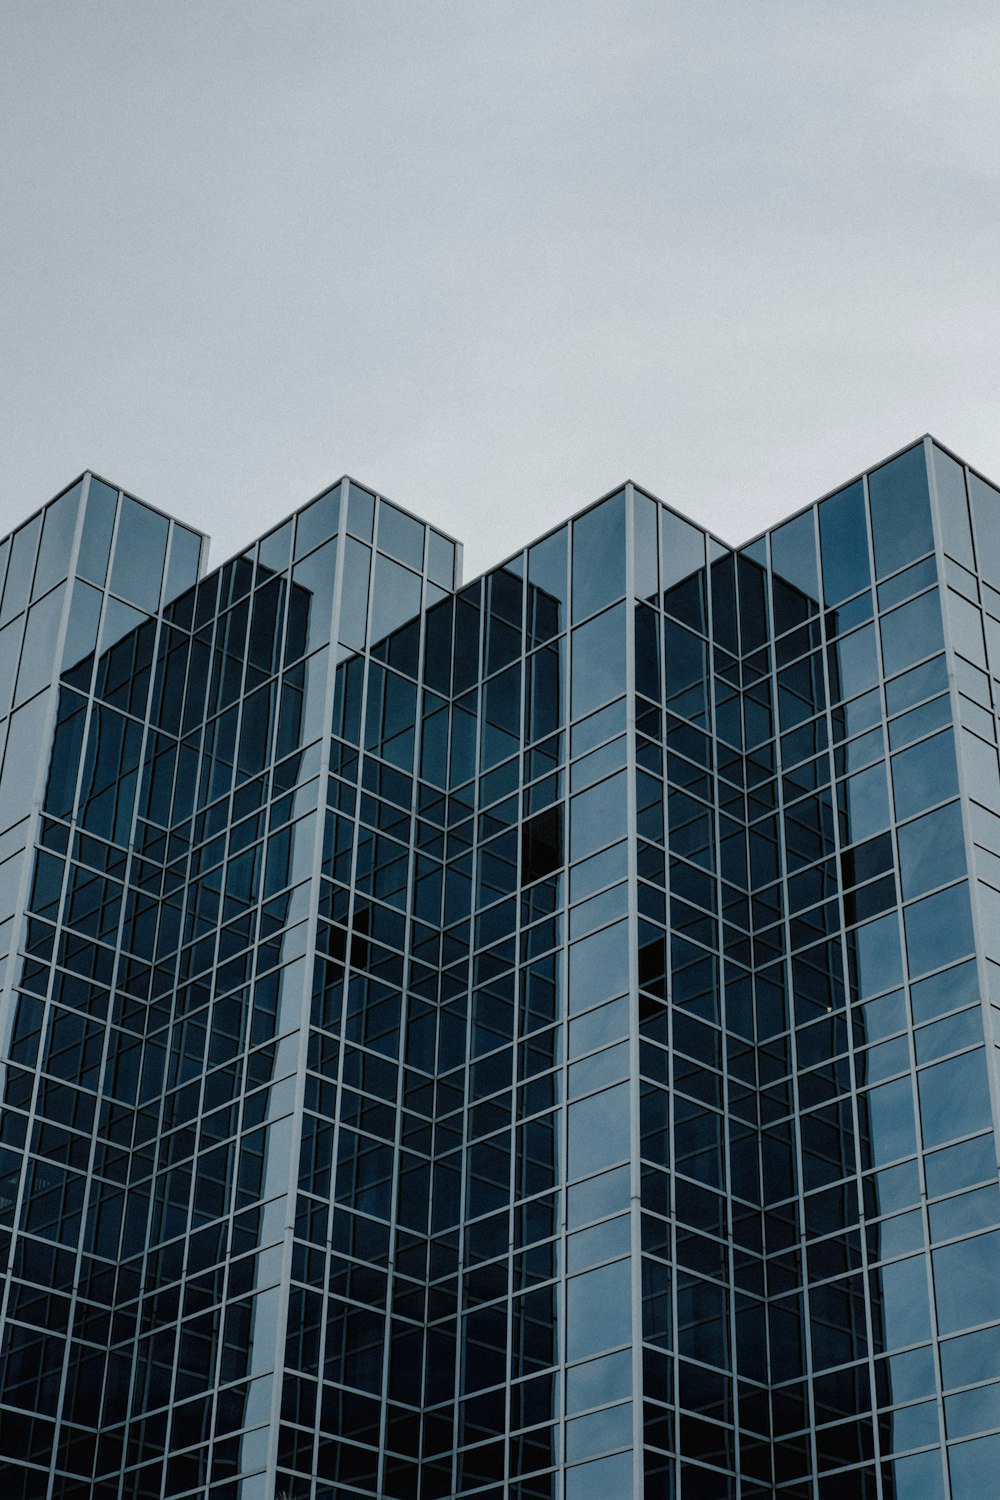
column 98, row 526
column 599, row 557
column 599, row 967
column 945, row 992
column 892, row 1130
column 20, row 570
column 598, row 661
column 973, row 1468
column 985, row 501
column 924, row 774
column 910, row 632
column 310, row 605
column 395, row 597
column 38, row 653
column 794, row 573
column 354, row 595
column 905, row 1304
column 317, row 522
column 931, row 851
column 954, row 1098
column 967, row 1282
column 953, row 507
column 844, row 544
column 440, row 559
column 598, row 1131
column 58, row 527
column 938, row 930
column 598, row 1480
column 185, row 556
column 606, row 1379
column 360, row 512
column 644, row 527
column 401, row 536
column 20, row 764
column 81, row 629
column 598, row 1310
column 140, row 547
column 682, row 550
column 901, row 511
column 877, row 958
column 598, row 816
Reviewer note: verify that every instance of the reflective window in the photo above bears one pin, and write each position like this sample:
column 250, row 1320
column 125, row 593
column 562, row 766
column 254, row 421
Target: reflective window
column 910, row 632
column 599, row 557
column 954, row 1098
column 401, row 536
column 973, row 1468
column 598, row 1131
column 985, row 501
column 98, row 526
column 931, row 850
column 319, row 521
column 598, row 1310
column 58, row 528
column 901, row 511
column 598, row 967
column 140, row 549
column 953, row 507
column 924, row 774
column 967, row 1282
column 844, row 544
column 901, row 1290
column 598, row 661
column 598, row 816
column 938, row 929
column 794, row 581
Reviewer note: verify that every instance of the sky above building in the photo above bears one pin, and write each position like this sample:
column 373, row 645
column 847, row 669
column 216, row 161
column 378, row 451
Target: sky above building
column 493, row 258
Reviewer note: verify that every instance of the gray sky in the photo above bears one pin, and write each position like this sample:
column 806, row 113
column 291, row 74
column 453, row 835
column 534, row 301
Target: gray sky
column 493, row 258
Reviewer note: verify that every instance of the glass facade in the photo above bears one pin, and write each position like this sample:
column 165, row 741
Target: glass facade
column 528, row 1040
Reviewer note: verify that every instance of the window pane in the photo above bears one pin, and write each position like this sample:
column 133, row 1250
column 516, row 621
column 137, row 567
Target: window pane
column 938, row 929
column 598, row 661
column 844, row 544
column 401, row 536
column 599, row 557
column 598, row 1131
column 140, row 547
column 598, row 1310
column 924, row 774
column 953, row 507
column 911, row 632
column 98, row 525
column 58, row 527
column 954, row 1098
column 901, row 511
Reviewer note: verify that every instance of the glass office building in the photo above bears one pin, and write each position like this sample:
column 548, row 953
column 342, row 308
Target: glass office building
column 528, row 1040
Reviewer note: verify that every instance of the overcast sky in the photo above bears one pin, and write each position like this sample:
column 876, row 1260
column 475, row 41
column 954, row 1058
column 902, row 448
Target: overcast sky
column 493, row 258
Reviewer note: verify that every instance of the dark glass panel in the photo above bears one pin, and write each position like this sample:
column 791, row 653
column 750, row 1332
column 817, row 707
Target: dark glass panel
column 900, row 511
column 599, row 556
column 844, row 544
column 794, row 576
